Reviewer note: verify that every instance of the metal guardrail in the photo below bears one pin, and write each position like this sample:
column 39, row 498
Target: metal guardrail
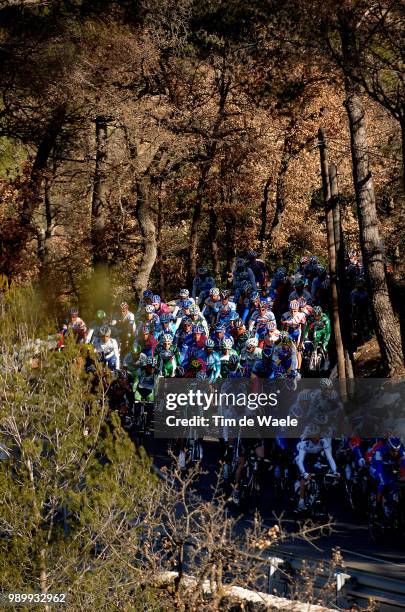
column 352, row 585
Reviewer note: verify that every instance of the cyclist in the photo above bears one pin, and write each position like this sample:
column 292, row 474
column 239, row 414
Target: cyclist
column 384, row 461
column 219, row 334
column 202, row 283
column 242, row 272
column 301, row 266
column 76, row 325
column 250, row 355
column 146, row 342
column 240, row 336
column 94, row 327
column 197, row 318
column 167, row 325
column 285, row 356
column 271, row 336
column 183, row 302
column 264, row 367
column 184, row 337
column 258, row 267
column 212, row 305
column 318, row 331
column 312, row 444
column 300, row 291
column 294, row 321
column 225, row 301
column 226, row 351
column 107, row 349
column 159, row 306
column 211, row 360
column 125, row 327
column 168, row 361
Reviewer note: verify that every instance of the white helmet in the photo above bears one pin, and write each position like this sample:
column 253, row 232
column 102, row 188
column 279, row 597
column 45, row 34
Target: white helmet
column 252, row 343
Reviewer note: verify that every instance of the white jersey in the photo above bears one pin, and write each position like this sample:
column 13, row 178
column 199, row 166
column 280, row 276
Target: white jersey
column 109, row 348
column 310, row 447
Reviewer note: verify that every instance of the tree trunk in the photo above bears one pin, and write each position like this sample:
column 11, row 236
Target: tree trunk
column 263, row 215
column 340, row 269
column 195, row 223
column 159, row 254
column 280, row 184
column 402, row 123
column 98, row 204
column 213, row 239
column 32, row 196
column 387, row 329
column 331, row 255
column 144, row 215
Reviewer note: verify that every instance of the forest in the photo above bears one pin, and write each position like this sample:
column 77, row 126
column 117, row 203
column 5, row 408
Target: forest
column 140, row 140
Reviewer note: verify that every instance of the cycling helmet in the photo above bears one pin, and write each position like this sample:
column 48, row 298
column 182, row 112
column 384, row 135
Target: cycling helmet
column 187, row 321
column 149, row 309
column 294, row 305
column 267, row 352
column 100, row 314
column 194, row 309
column 272, row 325
column 233, row 360
column 281, row 270
column 299, row 283
column 313, row 260
column 317, row 311
column 252, row 343
column 203, row 271
column 73, row 312
column 251, row 254
column 124, row 305
column 219, row 328
column 201, row 376
column 304, row 260
column 233, row 315
column 198, row 329
column 326, row 383
column 156, row 299
column 148, row 294
column 184, row 293
column 151, row 361
column 165, row 317
column 310, row 431
column 304, row 396
column 180, row 372
column 209, row 343
column 167, row 338
column 394, row 444
column 302, row 302
column 214, row 291
column 105, row 330
column 225, row 293
column 146, row 329
column 254, row 295
column 227, row 343
column 239, row 323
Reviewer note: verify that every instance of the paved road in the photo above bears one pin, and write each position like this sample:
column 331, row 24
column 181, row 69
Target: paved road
column 359, row 551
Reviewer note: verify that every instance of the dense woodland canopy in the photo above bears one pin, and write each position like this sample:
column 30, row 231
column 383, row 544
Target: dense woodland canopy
column 151, row 137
